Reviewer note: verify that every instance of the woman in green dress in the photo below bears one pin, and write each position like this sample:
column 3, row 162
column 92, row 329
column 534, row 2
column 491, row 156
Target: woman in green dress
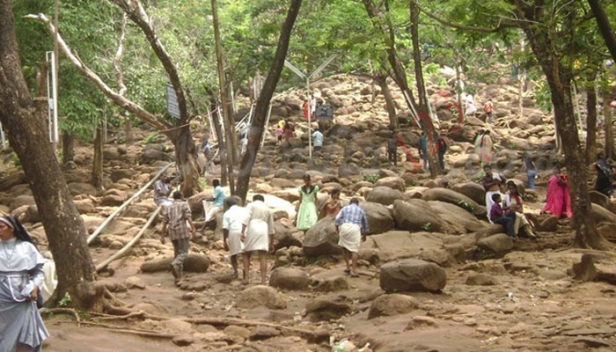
column 307, row 208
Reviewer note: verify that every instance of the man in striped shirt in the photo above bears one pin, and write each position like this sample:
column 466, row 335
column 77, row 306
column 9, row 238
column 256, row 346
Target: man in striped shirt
column 176, row 217
column 352, row 226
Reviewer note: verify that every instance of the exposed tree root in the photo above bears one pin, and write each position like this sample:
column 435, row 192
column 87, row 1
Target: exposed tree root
column 143, row 333
column 68, row 311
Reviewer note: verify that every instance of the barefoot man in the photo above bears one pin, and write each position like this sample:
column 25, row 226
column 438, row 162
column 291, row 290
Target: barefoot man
column 352, row 226
column 176, row 219
column 257, row 235
column 232, row 230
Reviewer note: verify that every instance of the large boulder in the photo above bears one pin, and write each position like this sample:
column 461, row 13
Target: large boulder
column 379, row 217
column 394, row 182
column 20, row 201
column 257, row 296
column 456, row 220
column 402, row 244
column 81, row 188
column 392, row 304
column 497, row 244
column 453, row 197
column 412, row 275
column 322, row 238
column 384, row 195
column 416, row 215
column 326, row 310
column 284, row 237
column 600, row 214
column 472, row 190
column 289, row 279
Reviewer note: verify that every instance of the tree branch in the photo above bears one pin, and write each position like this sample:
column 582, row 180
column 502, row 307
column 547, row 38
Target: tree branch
column 118, row 57
column 500, row 26
column 118, row 99
column 604, row 26
column 137, row 14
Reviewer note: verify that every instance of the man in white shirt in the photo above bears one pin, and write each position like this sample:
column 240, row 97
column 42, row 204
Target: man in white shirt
column 317, row 138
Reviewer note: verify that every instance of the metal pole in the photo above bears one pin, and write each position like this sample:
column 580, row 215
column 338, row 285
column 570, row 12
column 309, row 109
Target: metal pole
column 309, row 119
column 56, row 66
column 2, row 137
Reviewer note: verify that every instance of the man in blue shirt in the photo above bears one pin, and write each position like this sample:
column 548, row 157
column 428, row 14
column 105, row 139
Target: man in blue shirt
column 422, row 147
column 217, row 199
column 317, row 136
column 352, row 226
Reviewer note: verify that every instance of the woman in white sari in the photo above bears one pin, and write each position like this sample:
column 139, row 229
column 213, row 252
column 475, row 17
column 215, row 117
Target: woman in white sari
column 513, row 202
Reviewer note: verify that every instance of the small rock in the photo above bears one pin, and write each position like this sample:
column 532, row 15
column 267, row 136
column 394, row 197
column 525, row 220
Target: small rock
column 421, row 321
column 237, row 331
column 134, row 282
column 323, row 310
column 392, row 304
column 263, row 333
column 183, row 340
column 256, row 296
column 481, row 279
column 189, row 296
column 332, row 284
column 289, row 279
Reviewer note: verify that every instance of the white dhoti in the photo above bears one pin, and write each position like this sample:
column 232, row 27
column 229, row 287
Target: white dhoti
column 234, row 242
column 350, row 236
column 257, row 237
column 211, row 213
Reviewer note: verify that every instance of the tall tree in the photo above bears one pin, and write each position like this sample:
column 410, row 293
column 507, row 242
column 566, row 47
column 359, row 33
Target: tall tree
column 63, row 225
column 604, row 26
column 545, row 24
column 257, row 129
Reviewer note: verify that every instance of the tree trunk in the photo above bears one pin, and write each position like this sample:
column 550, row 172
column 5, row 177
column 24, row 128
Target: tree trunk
column 257, row 128
column 591, row 120
column 186, row 156
column 607, row 124
column 535, row 22
column 97, row 160
column 390, row 106
column 228, row 121
column 423, row 111
column 63, row 225
column 604, row 26
column 68, row 147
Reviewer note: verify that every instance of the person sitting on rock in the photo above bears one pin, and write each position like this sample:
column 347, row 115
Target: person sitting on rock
column 513, row 203
column 218, row 198
column 351, row 226
column 232, row 221
column 257, row 228
column 605, row 175
column 492, row 183
column 176, row 217
column 162, row 189
column 502, row 217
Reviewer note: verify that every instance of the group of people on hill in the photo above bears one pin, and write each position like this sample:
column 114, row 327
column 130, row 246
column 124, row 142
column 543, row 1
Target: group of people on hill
column 422, row 148
column 250, row 229
column 350, row 221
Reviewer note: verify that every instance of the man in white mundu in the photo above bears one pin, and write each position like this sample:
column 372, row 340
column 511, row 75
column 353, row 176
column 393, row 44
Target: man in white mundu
column 352, row 226
column 257, row 235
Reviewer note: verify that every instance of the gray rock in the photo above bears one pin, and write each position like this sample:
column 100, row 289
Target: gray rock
column 334, row 284
column 325, row 310
column 472, row 190
column 455, row 219
column 384, row 195
column 393, row 182
column 379, row 217
column 497, row 244
column 289, row 279
column 416, row 215
column 263, row 333
column 453, row 197
column 481, row 279
column 392, row 304
column 322, row 238
column 412, row 275
column 196, row 263
column 257, row 296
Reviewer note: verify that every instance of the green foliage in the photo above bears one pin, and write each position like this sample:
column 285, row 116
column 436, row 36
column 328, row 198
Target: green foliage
column 426, row 226
column 466, row 205
column 482, row 254
column 151, row 138
column 371, row 178
column 15, row 159
column 65, row 301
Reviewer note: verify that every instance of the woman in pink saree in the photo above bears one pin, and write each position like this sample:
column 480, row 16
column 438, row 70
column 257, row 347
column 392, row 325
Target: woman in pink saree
column 558, row 201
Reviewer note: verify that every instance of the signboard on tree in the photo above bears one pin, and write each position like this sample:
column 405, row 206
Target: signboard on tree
column 172, row 101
